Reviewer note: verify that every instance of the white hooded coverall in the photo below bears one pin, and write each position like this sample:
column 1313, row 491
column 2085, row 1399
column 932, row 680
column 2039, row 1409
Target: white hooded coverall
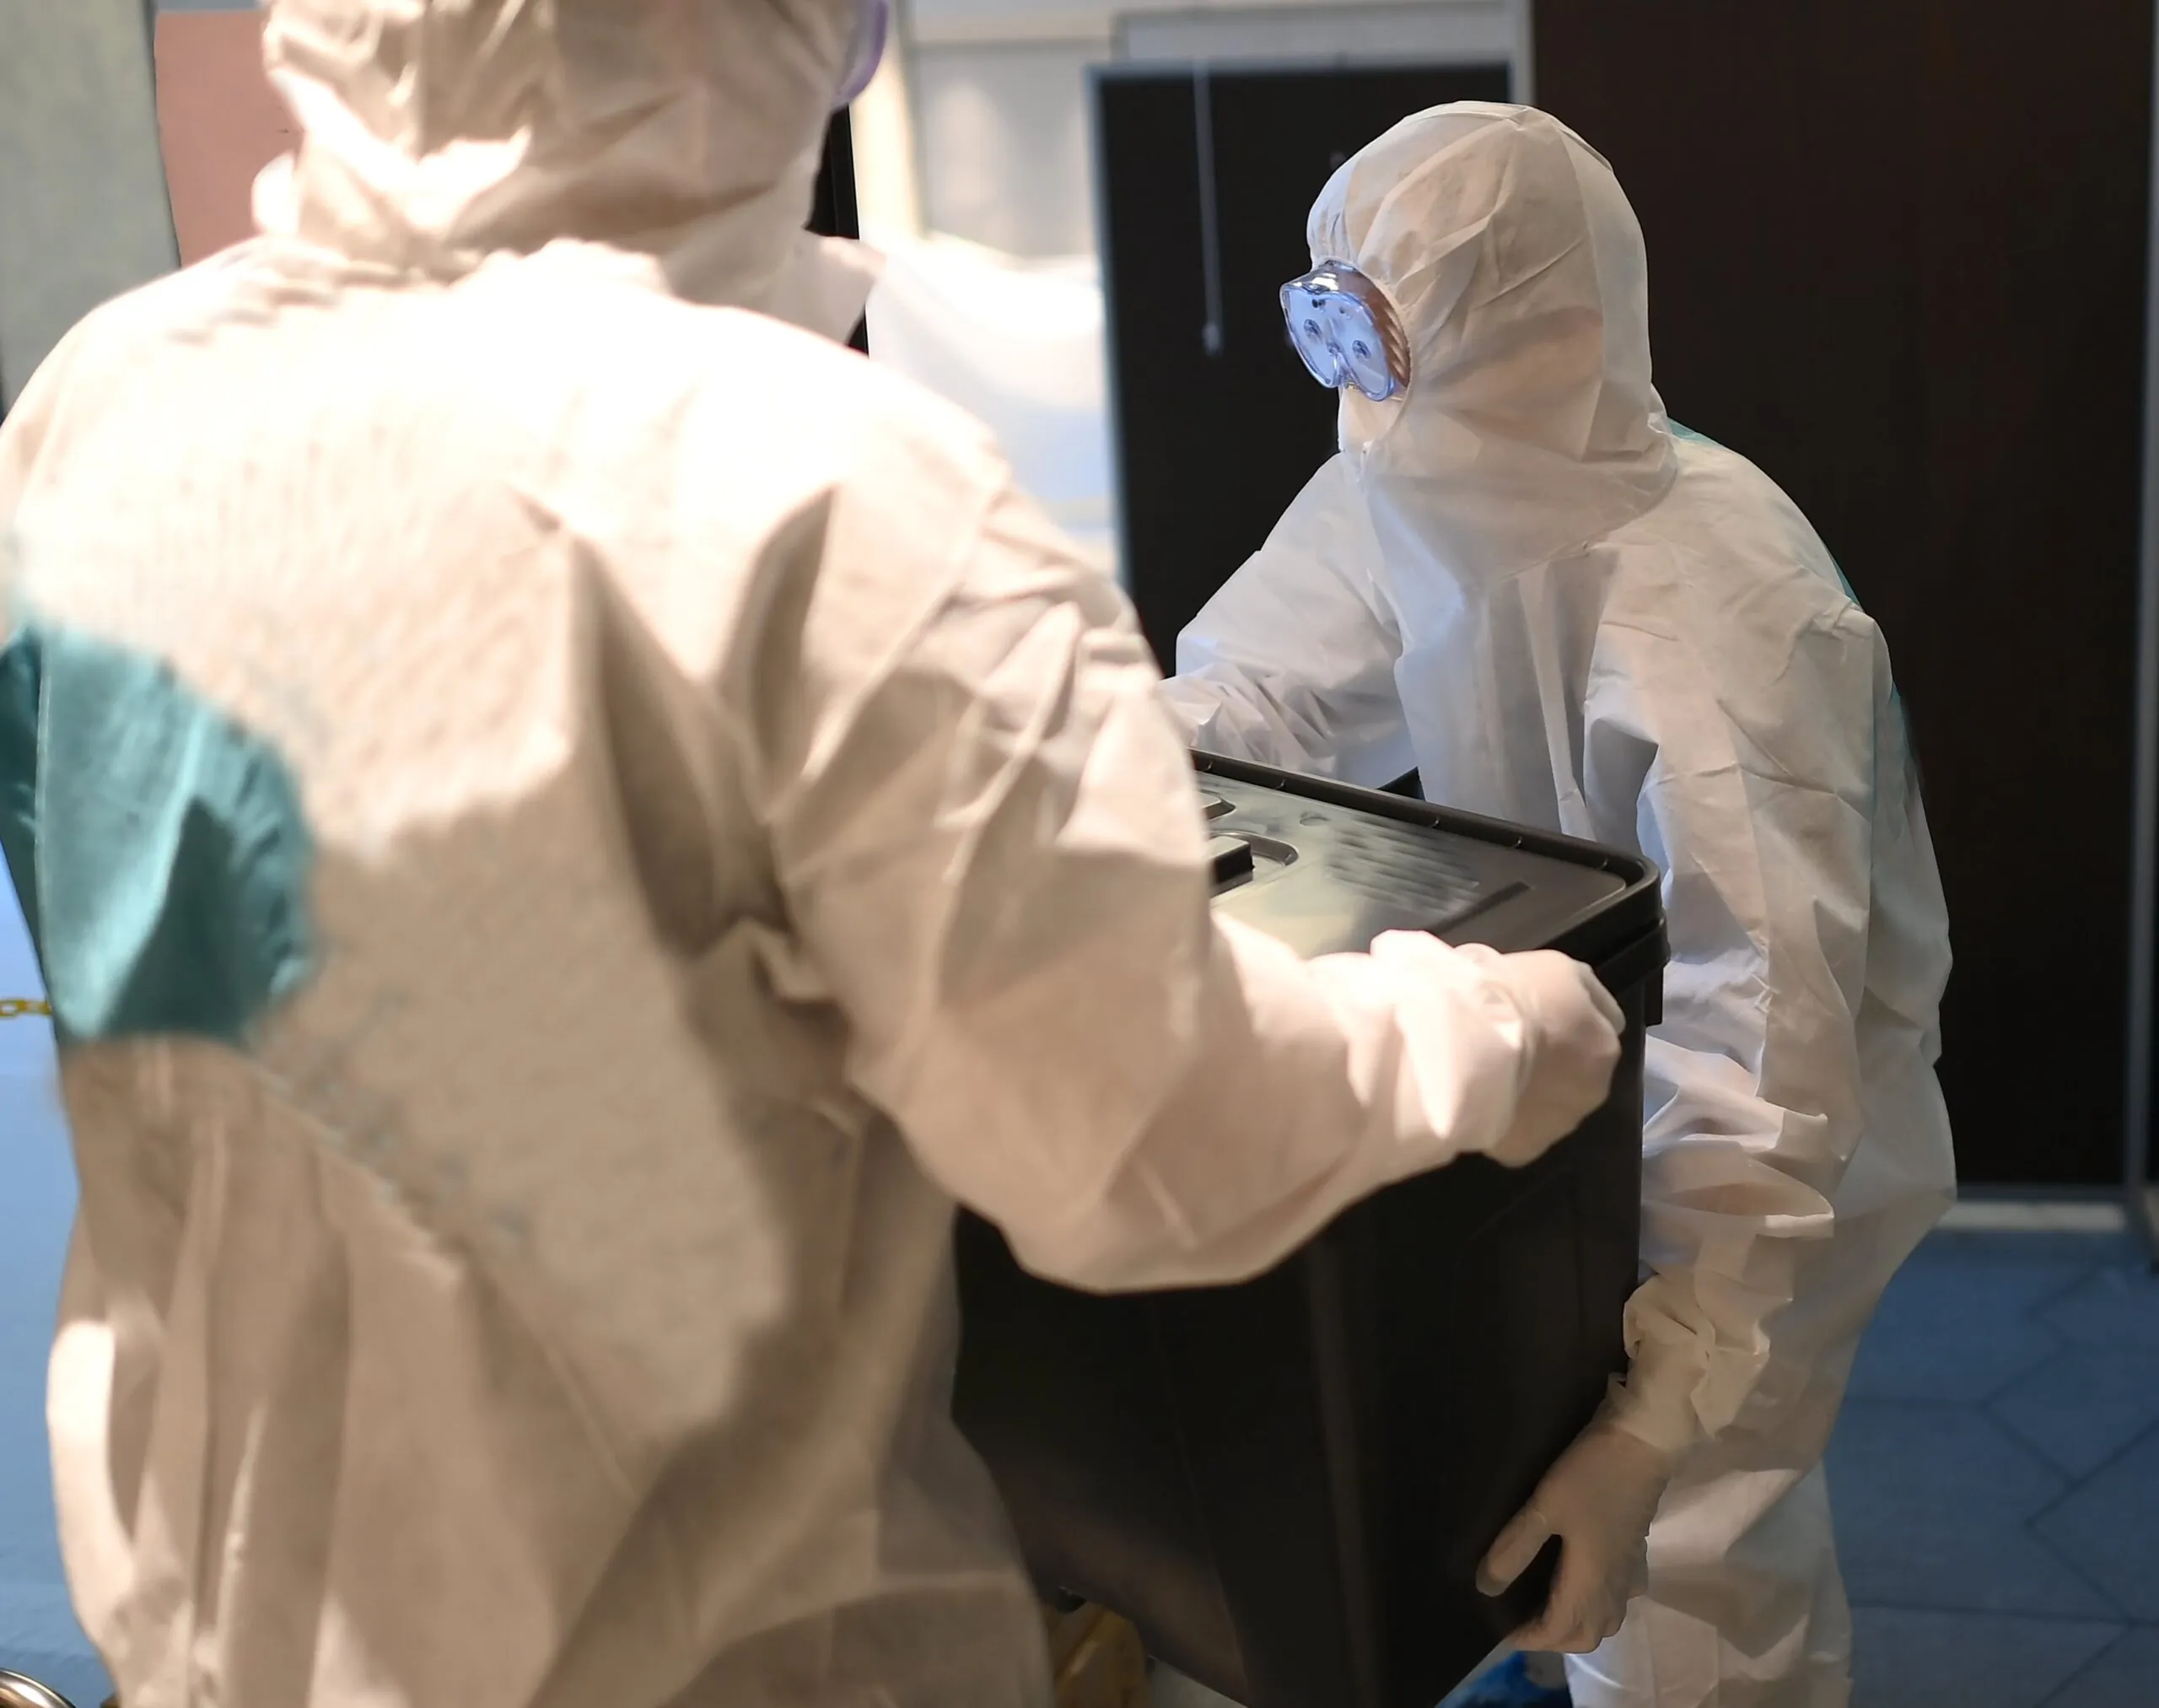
column 568, row 823
column 1519, row 579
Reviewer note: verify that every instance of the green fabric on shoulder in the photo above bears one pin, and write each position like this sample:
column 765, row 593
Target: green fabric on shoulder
column 159, row 851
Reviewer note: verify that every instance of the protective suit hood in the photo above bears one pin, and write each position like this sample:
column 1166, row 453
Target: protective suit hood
column 1509, row 250
column 437, row 132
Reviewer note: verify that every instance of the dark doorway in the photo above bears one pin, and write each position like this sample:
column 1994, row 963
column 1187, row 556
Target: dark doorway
column 834, row 213
column 1898, row 258
column 1217, row 430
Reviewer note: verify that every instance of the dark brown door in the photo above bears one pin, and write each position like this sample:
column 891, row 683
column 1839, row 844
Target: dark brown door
column 1204, row 185
column 1896, row 256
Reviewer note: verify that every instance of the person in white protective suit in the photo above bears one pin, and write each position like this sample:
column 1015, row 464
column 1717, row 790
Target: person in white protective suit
column 566, row 822
column 1521, row 579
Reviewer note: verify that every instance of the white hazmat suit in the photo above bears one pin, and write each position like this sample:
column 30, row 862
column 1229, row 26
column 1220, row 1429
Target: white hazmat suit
column 566, row 823
column 1521, row 579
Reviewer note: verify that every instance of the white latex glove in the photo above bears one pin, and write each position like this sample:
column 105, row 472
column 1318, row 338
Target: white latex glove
column 1574, row 1028
column 1598, row 1500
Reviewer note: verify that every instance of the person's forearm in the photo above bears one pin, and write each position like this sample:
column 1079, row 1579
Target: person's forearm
column 1728, row 1223
column 1223, row 714
column 1310, row 1086
column 1360, row 737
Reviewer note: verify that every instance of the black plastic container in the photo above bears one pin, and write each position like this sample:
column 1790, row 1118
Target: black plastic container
column 1287, row 1484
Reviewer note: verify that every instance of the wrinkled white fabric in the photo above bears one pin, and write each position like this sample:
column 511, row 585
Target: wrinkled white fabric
column 742, row 827
column 435, row 132
column 1521, row 579
column 1566, row 1008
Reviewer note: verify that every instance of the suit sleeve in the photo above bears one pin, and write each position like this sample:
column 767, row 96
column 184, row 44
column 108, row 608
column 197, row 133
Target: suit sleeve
column 993, row 851
column 1757, row 804
column 1292, row 663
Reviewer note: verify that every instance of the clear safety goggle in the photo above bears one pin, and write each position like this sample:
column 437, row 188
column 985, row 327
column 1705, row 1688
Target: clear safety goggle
column 1347, row 330
column 872, row 20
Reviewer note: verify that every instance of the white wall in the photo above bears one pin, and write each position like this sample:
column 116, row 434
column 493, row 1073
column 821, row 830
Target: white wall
column 1002, row 138
column 83, row 212
column 986, row 105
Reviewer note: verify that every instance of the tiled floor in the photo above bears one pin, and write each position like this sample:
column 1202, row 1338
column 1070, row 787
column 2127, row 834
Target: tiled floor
column 38, row 1632
column 1995, row 1475
column 1996, row 1472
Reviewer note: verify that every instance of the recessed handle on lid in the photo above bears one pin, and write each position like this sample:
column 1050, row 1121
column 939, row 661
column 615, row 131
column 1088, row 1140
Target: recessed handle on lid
column 1232, row 858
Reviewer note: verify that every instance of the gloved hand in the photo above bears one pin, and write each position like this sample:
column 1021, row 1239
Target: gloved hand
column 1574, row 1028
column 1598, row 1500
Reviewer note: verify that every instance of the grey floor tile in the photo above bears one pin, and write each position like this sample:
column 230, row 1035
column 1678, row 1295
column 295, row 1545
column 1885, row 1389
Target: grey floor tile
column 1932, row 1504
column 29, row 1554
column 77, row 1677
column 2083, row 1408
column 1904, row 1659
column 39, row 1617
column 1959, row 1322
column 2125, row 1675
column 2109, row 1528
column 2039, row 1245
column 2036, row 1240
column 1907, row 1462
column 2116, row 1308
